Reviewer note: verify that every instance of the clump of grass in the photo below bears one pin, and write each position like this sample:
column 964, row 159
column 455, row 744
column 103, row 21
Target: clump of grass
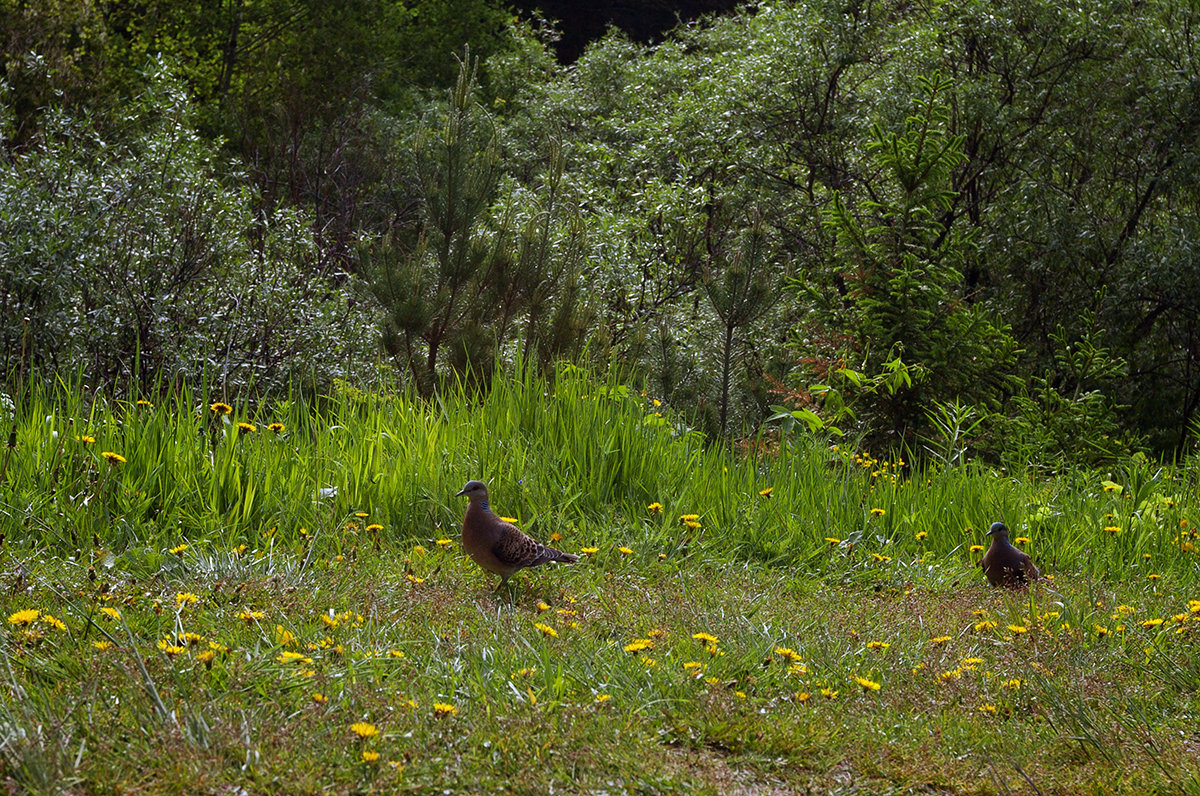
column 593, row 461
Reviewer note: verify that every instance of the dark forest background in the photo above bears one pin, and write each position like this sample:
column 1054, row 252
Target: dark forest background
column 926, row 224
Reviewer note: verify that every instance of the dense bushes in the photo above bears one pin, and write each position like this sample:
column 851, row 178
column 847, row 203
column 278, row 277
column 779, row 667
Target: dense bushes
column 884, row 215
column 125, row 253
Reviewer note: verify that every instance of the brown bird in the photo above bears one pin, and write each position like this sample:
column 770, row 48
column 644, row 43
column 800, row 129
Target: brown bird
column 1004, row 564
column 499, row 546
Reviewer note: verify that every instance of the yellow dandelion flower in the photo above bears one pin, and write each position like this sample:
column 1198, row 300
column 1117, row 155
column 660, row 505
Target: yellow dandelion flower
column 364, row 729
column 867, row 685
column 276, row 427
column 444, row 709
column 1021, row 540
column 801, row 696
column 284, row 638
column 921, row 535
column 1154, row 576
column 1152, row 622
column 246, row 428
column 57, row 624
column 788, row 653
column 950, row 676
column 374, row 527
column 985, row 625
column 587, row 551
column 877, row 512
column 249, row 617
column 638, row 645
column 833, row 540
column 987, row 707
column 185, row 598
column 603, row 697
column 556, row 537
column 26, row 617
column 512, row 520
column 543, row 606
column 624, row 551
column 85, row 439
column 655, row 508
column 546, row 630
column 765, row 492
column 939, row 640
column 1018, row 629
column 444, row 542
column 1100, row 630
column 881, row 558
column 976, row 548
column 829, row 693
column 113, row 458
column 1014, row 683
column 706, row 638
column 369, row 756
column 219, row 408
column 102, row 645
column 1113, row 529
column 878, row 645
column 418, row 551
column 179, row 548
column 688, row 517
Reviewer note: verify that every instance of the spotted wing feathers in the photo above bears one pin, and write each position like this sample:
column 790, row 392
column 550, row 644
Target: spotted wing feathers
column 515, row 549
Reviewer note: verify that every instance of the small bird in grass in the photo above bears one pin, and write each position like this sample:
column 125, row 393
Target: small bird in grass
column 499, row 546
column 1004, row 564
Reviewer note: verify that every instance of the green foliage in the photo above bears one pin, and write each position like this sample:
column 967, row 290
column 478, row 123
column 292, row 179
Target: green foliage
column 739, row 286
column 474, row 274
column 898, row 274
column 1051, row 170
column 126, row 255
column 1068, row 415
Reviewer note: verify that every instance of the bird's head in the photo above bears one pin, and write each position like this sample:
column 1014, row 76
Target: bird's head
column 998, row 531
column 473, row 490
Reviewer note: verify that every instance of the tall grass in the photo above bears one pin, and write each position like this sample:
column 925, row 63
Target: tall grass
column 582, row 457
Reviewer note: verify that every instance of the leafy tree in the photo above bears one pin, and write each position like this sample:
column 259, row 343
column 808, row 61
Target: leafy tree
column 898, row 277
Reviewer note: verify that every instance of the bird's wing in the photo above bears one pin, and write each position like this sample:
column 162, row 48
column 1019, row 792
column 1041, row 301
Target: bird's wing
column 514, row 548
column 1031, row 570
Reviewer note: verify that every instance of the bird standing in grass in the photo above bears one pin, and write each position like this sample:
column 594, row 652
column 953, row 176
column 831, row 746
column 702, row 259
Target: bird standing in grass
column 499, row 546
column 1004, row 564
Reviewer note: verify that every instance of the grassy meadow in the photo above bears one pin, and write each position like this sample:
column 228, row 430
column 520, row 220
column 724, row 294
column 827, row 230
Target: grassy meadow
column 202, row 596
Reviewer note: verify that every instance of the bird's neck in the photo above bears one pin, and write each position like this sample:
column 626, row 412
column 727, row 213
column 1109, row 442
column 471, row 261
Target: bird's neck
column 482, row 503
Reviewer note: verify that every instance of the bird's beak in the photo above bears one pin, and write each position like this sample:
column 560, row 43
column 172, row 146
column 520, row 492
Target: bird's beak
column 461, row 492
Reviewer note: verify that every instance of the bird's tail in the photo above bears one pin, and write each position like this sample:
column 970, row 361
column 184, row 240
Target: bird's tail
column 557, row 555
